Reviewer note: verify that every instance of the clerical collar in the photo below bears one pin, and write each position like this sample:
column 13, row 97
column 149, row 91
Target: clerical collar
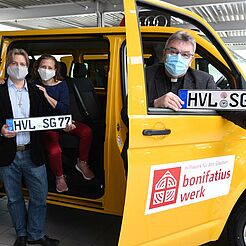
column 174, row 80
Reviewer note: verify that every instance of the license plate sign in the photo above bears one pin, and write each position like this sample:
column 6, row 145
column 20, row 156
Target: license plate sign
column 39, row 123
column 214, row 99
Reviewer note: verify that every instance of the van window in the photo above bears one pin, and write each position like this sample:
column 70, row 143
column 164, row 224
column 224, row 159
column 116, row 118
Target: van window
column 207, row 57
column 206, row 63
column 97, row 66
column 97, row 69
column 219, row 78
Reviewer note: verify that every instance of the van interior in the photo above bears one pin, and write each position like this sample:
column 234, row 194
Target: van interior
column 83, row 65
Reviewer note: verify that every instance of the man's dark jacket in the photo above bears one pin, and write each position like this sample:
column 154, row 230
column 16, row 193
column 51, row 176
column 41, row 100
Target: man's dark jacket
column 158, row 85
column 37, row 109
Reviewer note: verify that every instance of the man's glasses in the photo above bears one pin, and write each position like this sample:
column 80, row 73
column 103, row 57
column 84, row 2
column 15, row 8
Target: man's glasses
column 174, row 51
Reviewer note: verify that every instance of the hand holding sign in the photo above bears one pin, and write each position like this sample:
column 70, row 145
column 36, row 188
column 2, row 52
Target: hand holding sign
column 169, row 100
column 69, row 127
column 2, row 81
column 6, row 133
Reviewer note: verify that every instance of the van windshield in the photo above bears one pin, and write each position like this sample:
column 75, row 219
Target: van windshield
column 241, row 61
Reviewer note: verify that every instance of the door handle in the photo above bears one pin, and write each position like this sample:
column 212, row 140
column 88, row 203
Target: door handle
column 149, row 132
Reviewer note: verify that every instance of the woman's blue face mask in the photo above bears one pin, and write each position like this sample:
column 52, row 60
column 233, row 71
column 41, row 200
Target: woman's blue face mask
column 176, row 65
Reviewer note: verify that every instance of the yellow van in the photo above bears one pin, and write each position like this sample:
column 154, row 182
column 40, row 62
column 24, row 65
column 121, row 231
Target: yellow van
column 182, row 187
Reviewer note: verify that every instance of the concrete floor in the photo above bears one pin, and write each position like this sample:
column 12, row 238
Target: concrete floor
column 71, row 226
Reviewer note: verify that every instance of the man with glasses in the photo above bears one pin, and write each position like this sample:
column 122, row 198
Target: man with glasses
column 164, row 80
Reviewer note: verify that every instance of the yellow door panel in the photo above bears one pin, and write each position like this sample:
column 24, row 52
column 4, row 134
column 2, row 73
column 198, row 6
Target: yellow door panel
column 198, row 154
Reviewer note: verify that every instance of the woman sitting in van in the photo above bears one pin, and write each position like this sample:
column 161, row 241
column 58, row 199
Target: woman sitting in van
column 46, row 74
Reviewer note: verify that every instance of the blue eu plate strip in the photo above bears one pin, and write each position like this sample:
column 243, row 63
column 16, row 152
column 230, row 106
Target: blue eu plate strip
column 10, row 124
column 183, row 96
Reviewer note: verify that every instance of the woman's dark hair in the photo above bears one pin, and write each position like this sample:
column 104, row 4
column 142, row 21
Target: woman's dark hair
column 35, row 74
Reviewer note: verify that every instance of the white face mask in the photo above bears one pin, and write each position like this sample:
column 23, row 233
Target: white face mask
column 46, row 74
column 17, row 72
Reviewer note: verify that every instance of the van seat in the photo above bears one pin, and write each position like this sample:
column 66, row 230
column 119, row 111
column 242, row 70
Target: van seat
column 63, row 69
column 85, row 93
column 30, row 69
column 67, row 140
column 79, row 70
column 88, row 107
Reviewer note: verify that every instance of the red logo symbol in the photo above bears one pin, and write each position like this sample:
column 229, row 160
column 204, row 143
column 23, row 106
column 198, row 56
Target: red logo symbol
column 223, row 95
column 165, row 187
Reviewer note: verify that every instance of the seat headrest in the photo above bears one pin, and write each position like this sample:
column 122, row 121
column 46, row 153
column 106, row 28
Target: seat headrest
column 63, row 69
column 79, row 70
column 30, row 69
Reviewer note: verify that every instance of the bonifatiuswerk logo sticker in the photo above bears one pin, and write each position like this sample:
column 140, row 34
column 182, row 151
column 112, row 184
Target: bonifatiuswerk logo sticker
column 178, row 184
